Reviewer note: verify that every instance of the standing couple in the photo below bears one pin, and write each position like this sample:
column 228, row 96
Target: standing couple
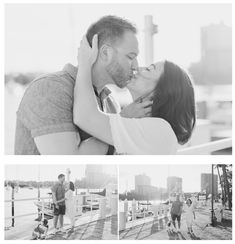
column 176, row 212
column 63, row 201
column 107, row 104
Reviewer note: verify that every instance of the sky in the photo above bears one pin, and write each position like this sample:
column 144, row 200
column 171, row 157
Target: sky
column 191, row 175
column 43, row 37
column 49, row 172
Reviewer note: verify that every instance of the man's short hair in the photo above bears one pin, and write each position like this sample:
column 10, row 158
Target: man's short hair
column 61, row 176
column 109, row 29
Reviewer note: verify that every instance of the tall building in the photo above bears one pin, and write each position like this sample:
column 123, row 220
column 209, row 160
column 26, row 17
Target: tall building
column 215, row 65
column 206, row 183
column 142, row 183
column 144, row 189
column 95, row 178
column 174, row 184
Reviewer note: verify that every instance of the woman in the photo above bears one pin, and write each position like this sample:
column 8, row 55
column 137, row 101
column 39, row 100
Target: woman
column 172, row 109
column 69, row 203
column 190, row 215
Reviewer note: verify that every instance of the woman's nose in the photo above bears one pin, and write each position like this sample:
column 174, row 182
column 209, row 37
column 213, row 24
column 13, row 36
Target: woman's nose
column 135, row 65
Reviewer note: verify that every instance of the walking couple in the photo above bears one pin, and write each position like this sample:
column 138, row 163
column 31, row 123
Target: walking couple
column 107, row 104
column 176, row 212
column 63, row 201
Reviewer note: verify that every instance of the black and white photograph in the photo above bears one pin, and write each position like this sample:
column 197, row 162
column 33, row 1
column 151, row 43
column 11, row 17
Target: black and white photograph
column 175, row 202
column 118, row 79
column 61, row 202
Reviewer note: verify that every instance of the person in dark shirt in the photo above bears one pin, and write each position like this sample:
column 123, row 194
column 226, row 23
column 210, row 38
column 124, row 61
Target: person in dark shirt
column 176, row 211
column 58, row 195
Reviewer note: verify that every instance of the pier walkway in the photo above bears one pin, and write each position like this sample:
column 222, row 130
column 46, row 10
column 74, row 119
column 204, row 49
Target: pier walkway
column 87, row 227
column 156, row 229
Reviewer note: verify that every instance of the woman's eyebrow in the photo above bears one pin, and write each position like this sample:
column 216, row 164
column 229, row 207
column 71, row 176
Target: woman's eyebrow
column 154, row 66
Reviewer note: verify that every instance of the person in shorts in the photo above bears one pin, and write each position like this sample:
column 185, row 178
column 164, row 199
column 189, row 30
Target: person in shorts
column 176, row 211
column 58, row 195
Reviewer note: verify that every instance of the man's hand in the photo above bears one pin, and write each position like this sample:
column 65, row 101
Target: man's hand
column 137, row 110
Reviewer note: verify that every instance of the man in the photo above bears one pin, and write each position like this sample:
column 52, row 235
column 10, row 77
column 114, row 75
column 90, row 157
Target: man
column 45, row 115
column 58, row 196
column 176, row 211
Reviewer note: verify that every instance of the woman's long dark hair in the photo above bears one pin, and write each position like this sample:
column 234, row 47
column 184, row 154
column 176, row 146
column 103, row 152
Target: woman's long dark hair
column 71, row 186
column 174, row 101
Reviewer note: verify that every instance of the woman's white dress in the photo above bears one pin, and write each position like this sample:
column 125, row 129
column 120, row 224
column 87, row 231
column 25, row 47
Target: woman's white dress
column 189, row 215
column 149, row 136
column 70, row 206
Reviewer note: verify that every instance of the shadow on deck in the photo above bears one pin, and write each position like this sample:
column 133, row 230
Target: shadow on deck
column 96, row 230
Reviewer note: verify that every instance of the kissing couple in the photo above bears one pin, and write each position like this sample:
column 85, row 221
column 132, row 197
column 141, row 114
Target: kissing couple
column 107, row 104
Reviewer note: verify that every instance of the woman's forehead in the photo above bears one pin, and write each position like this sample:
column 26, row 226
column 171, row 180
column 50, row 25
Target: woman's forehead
column 156, row 65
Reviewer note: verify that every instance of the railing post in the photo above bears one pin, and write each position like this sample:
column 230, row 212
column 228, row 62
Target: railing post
column 13, row 205
column 126, row 209
column 102, row 207
column 155, row 212
column 122, row 221
column 114, row 205
column 166, row 211
column 43, row 210
column 91, row 207
column 133, row 210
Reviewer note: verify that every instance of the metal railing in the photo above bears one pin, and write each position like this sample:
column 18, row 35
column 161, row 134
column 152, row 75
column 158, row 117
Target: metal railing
column 206, row 148
column 159, row 212
column 42, row 199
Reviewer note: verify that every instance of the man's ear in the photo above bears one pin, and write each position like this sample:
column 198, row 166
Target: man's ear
column 106, row 53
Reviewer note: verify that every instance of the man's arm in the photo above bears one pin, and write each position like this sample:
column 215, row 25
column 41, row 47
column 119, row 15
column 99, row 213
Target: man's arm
column 54, row 198
column 69, row 143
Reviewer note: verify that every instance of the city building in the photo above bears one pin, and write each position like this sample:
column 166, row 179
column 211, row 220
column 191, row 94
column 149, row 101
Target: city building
column 215, row 65
column 141, row 182
column 174, row 184
column 94, row 176
column 206, row 183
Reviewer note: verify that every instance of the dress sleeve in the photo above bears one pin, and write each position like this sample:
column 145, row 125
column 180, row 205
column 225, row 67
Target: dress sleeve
column 142, row 136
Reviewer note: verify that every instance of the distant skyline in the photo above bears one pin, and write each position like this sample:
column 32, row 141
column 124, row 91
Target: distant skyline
column 44, row 37
column 191, row 175
column 49, row 172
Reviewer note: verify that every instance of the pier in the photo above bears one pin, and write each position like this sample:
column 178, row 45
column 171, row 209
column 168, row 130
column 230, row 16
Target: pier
column 98, row 223
column 155, row 227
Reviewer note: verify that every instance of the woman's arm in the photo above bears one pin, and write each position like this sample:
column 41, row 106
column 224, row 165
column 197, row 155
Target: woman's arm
column 61, row 200
column 86, row 113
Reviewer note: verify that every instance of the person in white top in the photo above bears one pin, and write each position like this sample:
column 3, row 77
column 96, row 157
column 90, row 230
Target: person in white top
column 70, row 204
column 190, row 215
column 163, row 89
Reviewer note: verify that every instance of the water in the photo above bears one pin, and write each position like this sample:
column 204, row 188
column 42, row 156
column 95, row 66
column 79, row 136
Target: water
column 24, row 207
column 27, row 207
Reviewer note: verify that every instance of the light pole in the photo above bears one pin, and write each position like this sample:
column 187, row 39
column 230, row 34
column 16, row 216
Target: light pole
column 212, row 196
column 149, row 30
